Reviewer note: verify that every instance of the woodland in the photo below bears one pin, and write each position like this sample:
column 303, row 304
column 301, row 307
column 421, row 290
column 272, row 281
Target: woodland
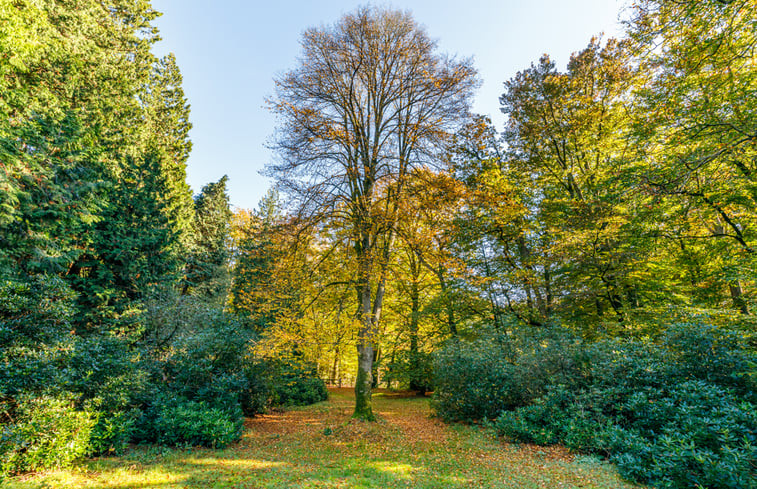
column 582, row 278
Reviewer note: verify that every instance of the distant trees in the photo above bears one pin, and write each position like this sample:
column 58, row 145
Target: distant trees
column 623, row 190
column 207, row 268
column 370, row 102
column 618, row 194
column 266, row 274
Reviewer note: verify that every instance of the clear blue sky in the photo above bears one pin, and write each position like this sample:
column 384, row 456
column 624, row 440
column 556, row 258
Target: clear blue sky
column 229, row 51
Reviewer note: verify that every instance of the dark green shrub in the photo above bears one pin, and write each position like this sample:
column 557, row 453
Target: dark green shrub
column 674, row 414
column 35, row 334
column 106, row 368
column 258, row 395
column 479, row 379
column 281, row 382
column 412, row 370
column 102, row 373
column 295, row 382
column 716, row 355
column 695, row 435
column 42, row 358
column 473, row 380
column 181, row 422
column 33, row 370
column 112, row 431
column 209, row 366
column 45, row 433
column 111, row 376
column 178, row 382
column 531, row 424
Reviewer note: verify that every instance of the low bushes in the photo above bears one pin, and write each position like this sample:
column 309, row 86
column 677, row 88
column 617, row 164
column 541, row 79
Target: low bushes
column 693, row 434
column 181, row 422
column 295, row 382
column 282, row 382
column 479, row 379
column 113, row 378
column 178, row 379
column 474, row 381
column 675, row 413
column 44, row 432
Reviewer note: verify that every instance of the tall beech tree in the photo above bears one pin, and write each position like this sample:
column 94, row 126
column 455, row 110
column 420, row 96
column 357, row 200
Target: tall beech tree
column 370, row 101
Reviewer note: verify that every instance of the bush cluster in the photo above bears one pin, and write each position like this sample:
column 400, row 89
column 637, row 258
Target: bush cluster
column 678, row 412
column 178, row 421
column 411, row 370
column 287, row 381
column 185, row 378
column 47, row 432
column 500, row 371
column 293, row 382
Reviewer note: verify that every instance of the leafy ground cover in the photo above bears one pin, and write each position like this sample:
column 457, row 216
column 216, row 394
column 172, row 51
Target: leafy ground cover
column 320, row 446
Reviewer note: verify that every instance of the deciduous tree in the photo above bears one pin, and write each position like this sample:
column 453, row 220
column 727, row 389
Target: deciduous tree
column 370, row 101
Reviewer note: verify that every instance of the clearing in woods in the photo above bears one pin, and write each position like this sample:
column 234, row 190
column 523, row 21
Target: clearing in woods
column 320, row 446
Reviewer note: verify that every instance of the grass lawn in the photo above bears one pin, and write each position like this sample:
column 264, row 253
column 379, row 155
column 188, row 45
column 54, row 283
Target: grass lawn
column 319, row 446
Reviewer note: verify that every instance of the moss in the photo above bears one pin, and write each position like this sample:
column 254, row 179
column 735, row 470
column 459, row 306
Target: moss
column 363, row 409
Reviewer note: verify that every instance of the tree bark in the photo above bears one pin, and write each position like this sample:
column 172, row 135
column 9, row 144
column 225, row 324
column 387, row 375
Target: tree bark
column 335, row 367
column 363, row 408
column 738, row 297
column 364, row 378
column 415, row 309
column 375, row 374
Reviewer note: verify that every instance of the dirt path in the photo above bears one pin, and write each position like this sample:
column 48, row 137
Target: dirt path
column 405, row 412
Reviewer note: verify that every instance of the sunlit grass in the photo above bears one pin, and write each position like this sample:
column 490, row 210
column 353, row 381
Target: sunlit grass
column 320, row 447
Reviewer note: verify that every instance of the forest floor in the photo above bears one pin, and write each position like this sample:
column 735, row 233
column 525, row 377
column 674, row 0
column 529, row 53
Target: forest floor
column 320, row 446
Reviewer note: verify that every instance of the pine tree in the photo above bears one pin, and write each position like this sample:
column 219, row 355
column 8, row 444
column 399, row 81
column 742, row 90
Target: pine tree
column 207, row 271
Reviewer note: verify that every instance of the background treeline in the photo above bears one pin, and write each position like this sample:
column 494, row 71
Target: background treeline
column 619, row 198
column 113, row 278
column 586, row 276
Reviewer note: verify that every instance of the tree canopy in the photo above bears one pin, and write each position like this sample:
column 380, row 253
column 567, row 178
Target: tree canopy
column 370, row 103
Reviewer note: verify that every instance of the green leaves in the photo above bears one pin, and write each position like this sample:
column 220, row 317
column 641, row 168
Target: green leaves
column 47, row 433
column 668, row 414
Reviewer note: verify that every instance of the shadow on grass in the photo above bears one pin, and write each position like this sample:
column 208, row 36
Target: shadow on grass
column 294, row 450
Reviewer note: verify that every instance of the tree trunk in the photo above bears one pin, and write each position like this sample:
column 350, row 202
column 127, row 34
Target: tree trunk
column 374, row 368
column 415, row 310
column 337, row 345
column 370, row 313
column 363, row 409
column 366, row 334
column 364, row 380
column 448, row 303
column 738, row 297
column 530, row 289
column 335, row 367
column 496, row 310
column 451, row 321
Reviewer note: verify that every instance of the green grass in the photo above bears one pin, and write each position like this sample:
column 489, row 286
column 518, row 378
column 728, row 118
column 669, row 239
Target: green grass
column 319, row 446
